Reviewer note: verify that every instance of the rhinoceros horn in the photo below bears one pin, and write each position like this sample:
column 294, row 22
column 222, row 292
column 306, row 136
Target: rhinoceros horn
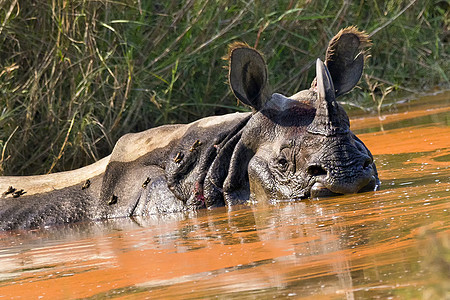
column 329, row 119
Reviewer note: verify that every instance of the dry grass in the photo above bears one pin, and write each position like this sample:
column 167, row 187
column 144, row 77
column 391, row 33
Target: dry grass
column 76, row 75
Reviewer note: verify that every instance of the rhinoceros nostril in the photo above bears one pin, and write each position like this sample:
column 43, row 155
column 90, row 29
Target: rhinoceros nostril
column 316, row 171
column 367, row 163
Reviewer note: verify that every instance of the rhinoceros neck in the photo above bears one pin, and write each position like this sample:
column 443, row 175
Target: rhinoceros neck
column 179, row 155
column 45, row 183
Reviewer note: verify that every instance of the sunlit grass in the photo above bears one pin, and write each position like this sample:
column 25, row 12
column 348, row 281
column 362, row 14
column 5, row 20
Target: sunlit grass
column 77, row 75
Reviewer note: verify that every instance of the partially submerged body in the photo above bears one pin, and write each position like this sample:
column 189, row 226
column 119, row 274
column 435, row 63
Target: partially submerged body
column 133, row 180
column 287, row 148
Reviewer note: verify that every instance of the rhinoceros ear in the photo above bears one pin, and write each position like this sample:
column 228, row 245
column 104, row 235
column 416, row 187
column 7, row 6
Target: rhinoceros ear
column 345, row 58
column 247, row 75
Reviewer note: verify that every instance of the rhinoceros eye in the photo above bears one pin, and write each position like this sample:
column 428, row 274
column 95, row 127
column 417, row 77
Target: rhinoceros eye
column 282, row 164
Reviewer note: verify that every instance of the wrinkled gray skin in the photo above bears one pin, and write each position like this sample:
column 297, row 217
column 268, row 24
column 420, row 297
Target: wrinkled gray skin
column 287, row 148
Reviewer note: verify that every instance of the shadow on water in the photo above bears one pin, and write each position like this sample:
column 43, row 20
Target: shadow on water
column 393, row 243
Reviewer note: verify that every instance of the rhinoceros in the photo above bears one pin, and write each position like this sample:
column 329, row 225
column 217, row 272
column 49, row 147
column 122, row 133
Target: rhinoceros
column 287, row 148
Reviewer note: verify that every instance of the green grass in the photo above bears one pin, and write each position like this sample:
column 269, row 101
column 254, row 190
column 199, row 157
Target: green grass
column 76, row 75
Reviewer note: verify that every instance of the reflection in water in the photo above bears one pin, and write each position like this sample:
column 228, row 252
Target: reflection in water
column 394, row 243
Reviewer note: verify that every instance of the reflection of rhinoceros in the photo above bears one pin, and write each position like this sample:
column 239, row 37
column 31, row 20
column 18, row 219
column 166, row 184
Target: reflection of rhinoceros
column 287, row 148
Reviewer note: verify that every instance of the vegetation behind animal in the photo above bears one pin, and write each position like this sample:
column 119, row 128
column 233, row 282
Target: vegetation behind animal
column 75, row 76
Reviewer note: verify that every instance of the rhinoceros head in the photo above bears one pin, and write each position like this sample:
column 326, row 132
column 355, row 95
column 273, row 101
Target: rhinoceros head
column 300, row 146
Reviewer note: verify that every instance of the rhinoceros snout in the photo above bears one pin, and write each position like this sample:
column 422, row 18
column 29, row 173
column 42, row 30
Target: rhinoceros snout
column 340, row 178
column 318, row 190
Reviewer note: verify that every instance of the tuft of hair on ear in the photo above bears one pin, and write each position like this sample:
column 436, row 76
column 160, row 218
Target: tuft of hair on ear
column 233, row 46
column 362, row 36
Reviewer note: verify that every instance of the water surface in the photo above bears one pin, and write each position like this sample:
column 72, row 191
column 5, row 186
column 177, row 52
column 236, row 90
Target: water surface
column 390, row 244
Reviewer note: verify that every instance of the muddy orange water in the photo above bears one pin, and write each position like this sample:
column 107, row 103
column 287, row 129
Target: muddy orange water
column 390, row 244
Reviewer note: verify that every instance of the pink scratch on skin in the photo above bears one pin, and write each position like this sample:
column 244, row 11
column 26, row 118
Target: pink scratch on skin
column 198, row 192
